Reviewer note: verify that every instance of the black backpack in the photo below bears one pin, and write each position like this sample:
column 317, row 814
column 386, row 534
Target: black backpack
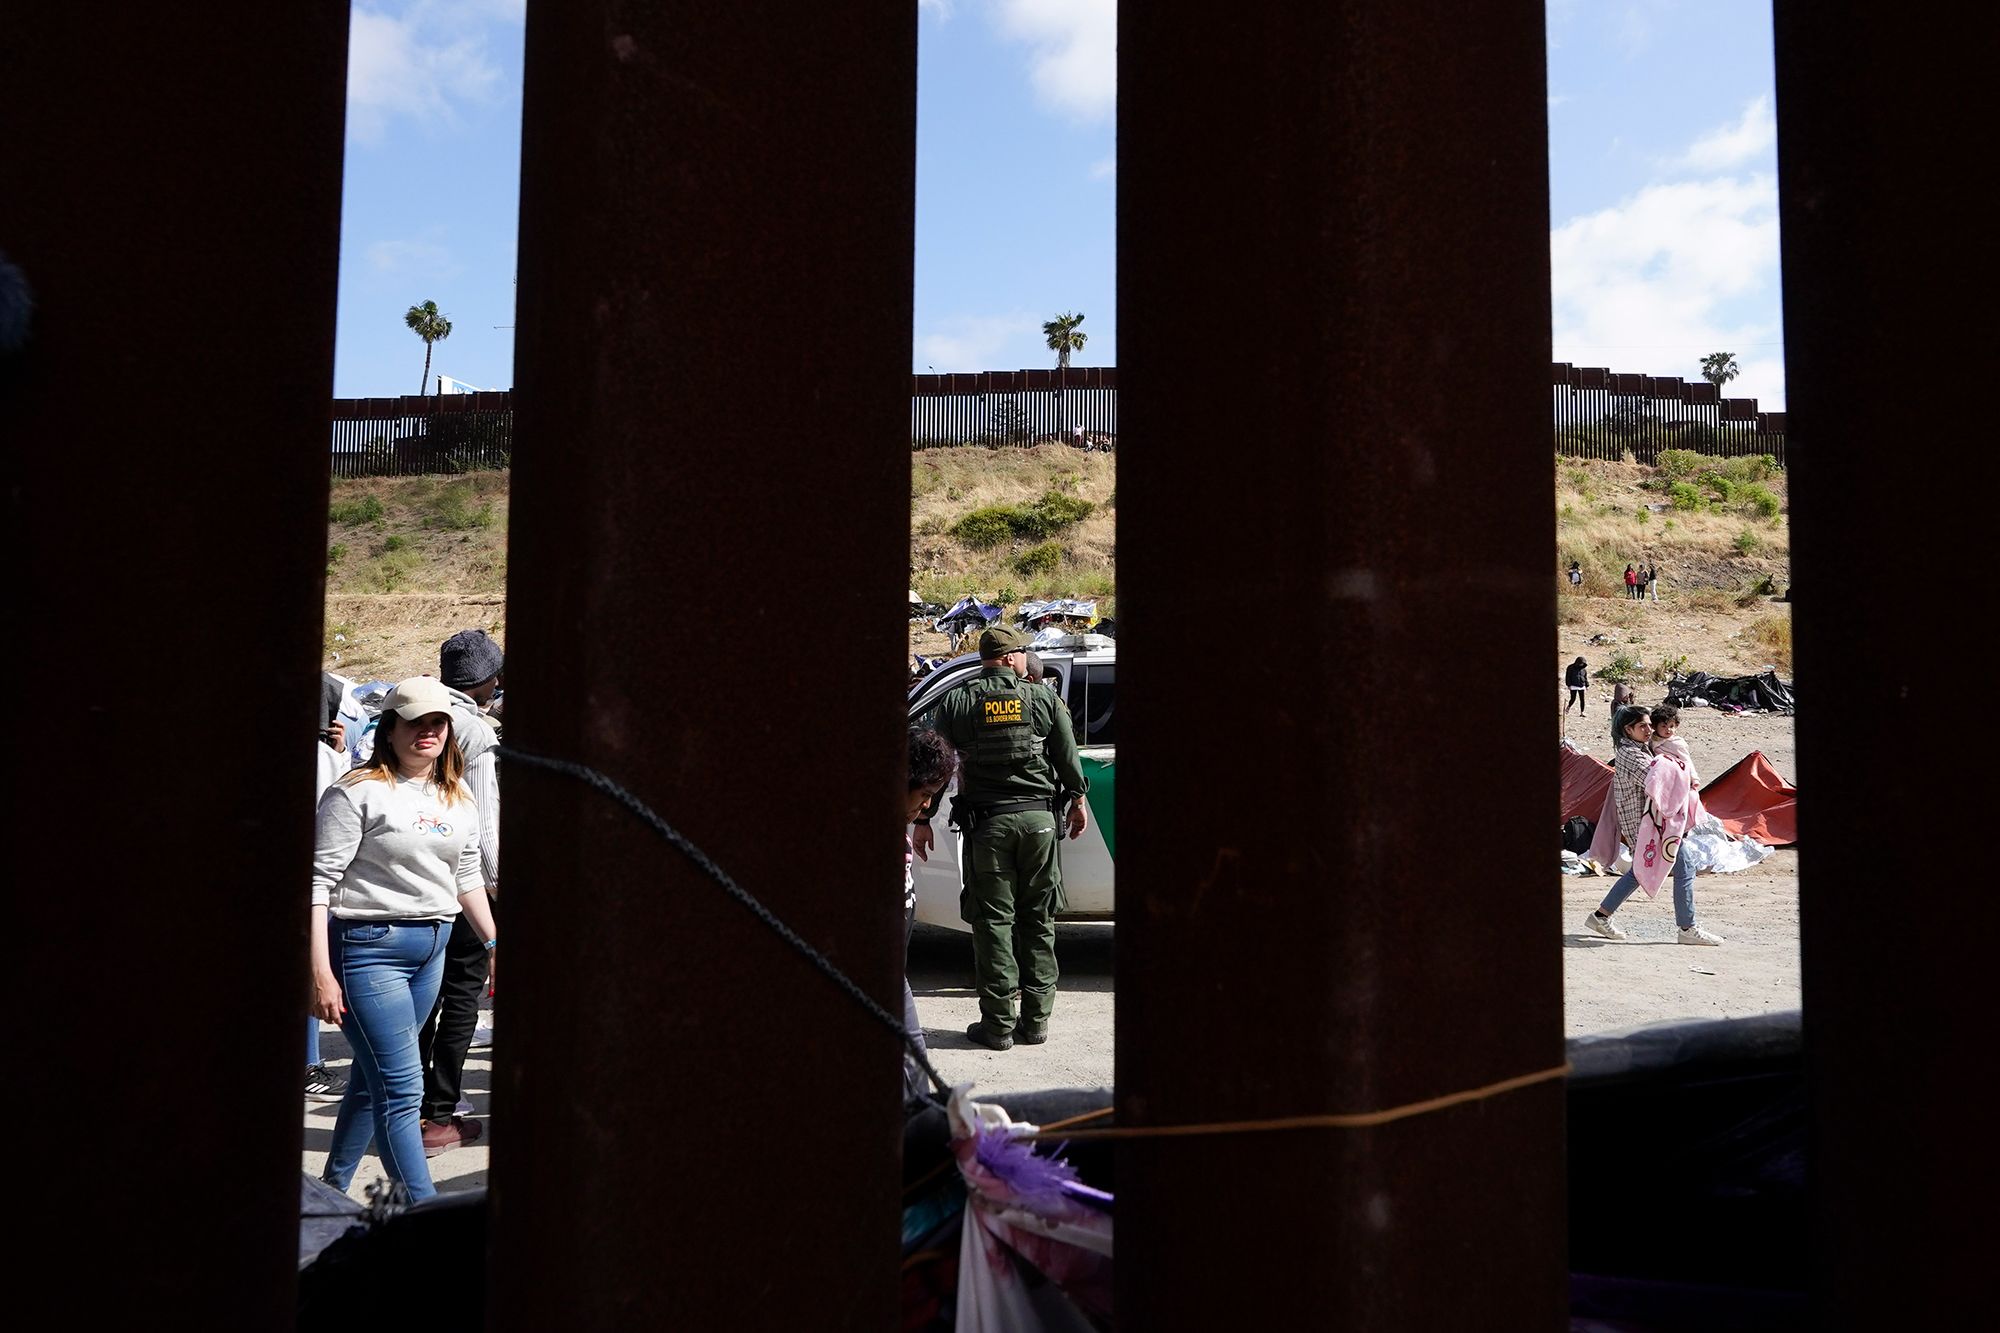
column 1577, row 834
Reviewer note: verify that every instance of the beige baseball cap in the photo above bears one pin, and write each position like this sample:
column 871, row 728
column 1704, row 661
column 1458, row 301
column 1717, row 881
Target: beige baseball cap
column 413, row 698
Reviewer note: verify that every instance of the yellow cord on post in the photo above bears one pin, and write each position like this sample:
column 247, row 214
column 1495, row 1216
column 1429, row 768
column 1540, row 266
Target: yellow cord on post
column 1353, row 1120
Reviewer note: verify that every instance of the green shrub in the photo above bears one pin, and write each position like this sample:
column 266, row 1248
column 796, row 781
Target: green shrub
column 990, row 526
column 1686, row 496
column 1671, row 667
column 1748, row 542
column 1760, row 499
column 1007, row 596
column 1059, row 510
column 1621, row 668
column 363, row 509
column 1760, row 468
column 335, row 554
column 395, row 543
column 1041, row 559
column 1723, row 487
column 995, row 524
column 1643, row 514
column 1679, row 462
column 451, row 508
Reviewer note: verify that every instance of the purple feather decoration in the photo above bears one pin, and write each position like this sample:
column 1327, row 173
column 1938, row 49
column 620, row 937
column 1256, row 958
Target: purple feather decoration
column 1040, row 1182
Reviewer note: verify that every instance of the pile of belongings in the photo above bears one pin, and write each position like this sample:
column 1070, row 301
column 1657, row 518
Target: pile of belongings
column 1746, row 812
column 1057, row 618
column 998, row 1237
column 966, row 618
column 1763, row 692
column 923, row 610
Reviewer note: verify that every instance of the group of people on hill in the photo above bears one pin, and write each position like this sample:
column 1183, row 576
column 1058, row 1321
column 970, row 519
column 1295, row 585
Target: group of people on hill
column 1642, row 581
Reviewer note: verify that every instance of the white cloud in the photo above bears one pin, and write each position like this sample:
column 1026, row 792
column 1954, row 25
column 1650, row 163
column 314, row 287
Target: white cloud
column 413, row 256
column 971, row 342
column 1104, row 168
column 1750, row 141
column 1669, row 274
column 421, row 65
column 1073, row 52
column 1635, row 31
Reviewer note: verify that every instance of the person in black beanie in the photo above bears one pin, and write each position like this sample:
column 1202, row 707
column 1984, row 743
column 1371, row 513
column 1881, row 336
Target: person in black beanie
column 469, row 664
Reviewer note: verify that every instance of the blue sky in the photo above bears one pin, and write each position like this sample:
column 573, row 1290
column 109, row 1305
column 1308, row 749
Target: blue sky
column 1663, row 190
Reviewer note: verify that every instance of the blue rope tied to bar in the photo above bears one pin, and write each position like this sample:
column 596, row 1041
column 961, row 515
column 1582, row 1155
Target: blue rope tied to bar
column 590, row 777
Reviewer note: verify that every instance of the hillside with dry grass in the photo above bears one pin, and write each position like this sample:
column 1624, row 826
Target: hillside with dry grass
column 411, row 560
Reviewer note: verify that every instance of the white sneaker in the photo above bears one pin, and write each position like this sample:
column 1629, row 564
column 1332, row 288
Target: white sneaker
column 482, row 1037
column 1696, row 935
column 1603, row 925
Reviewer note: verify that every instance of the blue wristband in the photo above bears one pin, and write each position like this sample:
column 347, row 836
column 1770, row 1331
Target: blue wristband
column 491, row 943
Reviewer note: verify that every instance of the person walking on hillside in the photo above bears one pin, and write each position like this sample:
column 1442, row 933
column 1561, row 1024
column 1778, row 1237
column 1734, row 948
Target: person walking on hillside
column 1577, row 678
column 1650, row 807
column 395, row 861
column 1631, row 584
column 1019, row 765
column 469, row 664
column 1653, row 581
column 1575, row 577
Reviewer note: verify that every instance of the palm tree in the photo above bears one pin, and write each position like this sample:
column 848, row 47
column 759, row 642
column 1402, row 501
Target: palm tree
column 1064, row 337
column 1718, row 368
column 425, row 321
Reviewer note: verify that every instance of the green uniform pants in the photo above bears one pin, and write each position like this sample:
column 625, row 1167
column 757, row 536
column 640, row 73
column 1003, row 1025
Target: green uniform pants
column 1011, row 884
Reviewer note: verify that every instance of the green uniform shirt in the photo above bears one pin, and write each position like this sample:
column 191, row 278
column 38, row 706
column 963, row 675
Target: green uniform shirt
column 1008, row 753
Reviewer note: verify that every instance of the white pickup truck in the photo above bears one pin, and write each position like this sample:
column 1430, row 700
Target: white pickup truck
column 1082, row 670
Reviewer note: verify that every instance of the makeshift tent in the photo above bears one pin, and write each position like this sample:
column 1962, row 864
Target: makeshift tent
column 1754, row 801
column 1584, row 782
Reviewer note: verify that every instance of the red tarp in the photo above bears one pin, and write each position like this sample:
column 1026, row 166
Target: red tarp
column 1584, row 782
column 1752, row 800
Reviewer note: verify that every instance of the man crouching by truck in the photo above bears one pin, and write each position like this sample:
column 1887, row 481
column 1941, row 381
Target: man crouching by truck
column 1019, row 768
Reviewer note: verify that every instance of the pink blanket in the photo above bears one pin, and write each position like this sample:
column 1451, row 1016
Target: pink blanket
column 1671, row 810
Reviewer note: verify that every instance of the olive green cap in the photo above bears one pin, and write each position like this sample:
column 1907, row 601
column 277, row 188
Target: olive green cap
column 1002, row 639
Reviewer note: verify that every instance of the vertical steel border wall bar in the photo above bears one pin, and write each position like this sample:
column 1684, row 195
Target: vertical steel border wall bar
column 676, row 209
column 1879, row 112
column 160, row 930
column 1274, row 954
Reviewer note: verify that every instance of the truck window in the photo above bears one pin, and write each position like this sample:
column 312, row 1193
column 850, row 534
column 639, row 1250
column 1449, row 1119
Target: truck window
column 1093, row 696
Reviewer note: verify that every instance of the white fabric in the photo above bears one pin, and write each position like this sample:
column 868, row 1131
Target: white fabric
column 387, row 851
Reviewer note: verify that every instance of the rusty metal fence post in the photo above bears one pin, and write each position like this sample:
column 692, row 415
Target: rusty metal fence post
column 159, row 839
column 1878, row 129
column 1336, row 890
column 710, row 519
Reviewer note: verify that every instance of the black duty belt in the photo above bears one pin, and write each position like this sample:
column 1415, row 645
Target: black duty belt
column 1008, row 808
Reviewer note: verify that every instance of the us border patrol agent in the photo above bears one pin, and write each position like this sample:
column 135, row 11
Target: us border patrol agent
column 1019, row 768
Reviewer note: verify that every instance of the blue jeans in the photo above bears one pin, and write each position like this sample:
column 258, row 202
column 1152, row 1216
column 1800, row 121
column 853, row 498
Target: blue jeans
column 388, row 973
column 1683, row 874
column 312, row 1040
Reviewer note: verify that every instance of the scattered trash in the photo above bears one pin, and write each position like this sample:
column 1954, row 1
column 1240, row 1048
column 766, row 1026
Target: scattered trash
column 1603, row 639
column 1705, row 971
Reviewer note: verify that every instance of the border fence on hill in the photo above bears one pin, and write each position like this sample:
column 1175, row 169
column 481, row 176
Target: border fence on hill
column 1595, row 413
column 1602, row 414
column 1077, row 406
column 417, row 436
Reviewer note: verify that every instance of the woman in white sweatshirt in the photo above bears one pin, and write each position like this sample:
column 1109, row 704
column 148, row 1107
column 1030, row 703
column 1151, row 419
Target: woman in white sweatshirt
column 396, row 860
